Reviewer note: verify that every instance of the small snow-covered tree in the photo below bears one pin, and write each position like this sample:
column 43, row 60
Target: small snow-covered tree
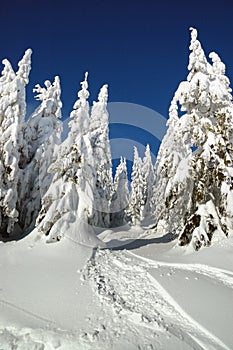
column 138, row 190
column 149, row 178
column 120, row 195
column 13, row 151
column 99, row 136
column 42, row 133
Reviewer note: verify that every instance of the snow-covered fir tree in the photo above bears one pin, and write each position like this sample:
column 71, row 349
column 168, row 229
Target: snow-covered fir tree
column 67, row 205
column 99, row 136
column 172, row 177
column 43, row 134
column 199, row 187
column 212, row 162
column 138, row 190
column 149, row 178
column 120, row 195
column 13, row 150
column 142, row 188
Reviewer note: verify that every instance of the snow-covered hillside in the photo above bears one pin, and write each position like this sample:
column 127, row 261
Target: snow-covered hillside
column 143, row 294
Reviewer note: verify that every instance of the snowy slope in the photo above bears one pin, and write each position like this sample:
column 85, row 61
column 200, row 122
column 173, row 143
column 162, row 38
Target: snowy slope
column 150, row 295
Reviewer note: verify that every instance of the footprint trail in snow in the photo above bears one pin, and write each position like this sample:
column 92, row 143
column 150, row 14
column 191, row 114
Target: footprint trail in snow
column 122, row 279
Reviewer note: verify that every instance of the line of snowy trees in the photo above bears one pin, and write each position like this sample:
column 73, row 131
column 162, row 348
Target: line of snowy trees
column 59, row 186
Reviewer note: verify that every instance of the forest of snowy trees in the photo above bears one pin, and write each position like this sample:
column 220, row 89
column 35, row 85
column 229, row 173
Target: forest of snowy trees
column 54, row 185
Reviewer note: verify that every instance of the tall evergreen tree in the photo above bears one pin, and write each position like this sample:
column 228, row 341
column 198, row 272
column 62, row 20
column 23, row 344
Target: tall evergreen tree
column 99, row 136
column 172, row 177
column 67, row 205
column 42, row 133
column 13, row 150
column 212, row 162
column 200, row 189
column 120, row 195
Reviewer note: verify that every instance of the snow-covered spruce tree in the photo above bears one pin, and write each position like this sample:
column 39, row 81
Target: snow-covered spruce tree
column 120, row 195
column 207, row 130
column 143, row 181
column 149, row 178
column 212, row 162
column 13, row 151
column 138, row 191
column 67, row 204
column 42, row 133
column 173, row 181
column 99, row 136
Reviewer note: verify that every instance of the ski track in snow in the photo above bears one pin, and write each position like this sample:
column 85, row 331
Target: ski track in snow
column 217, row 274
column 50, row 337
column 27, row 312
column 14, row 338
column 122, row 279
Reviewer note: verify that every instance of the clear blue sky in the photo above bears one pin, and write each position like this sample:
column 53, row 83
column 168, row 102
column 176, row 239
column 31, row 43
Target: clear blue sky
column 140, row 48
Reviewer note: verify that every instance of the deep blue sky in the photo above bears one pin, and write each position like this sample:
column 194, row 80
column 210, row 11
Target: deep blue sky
column 140, row 48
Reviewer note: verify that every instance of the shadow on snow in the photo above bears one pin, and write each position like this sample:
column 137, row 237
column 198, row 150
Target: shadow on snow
column 138, row 243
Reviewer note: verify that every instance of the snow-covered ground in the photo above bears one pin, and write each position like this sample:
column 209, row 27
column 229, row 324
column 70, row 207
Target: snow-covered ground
column 136, row 294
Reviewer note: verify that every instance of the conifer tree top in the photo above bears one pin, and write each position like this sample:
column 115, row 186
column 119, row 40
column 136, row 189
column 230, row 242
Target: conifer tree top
column 197, row 59
column 50, row 90
column 8, row 73
column 103, row 94
column 50, row 96
column 25, row 66
column 83, row 94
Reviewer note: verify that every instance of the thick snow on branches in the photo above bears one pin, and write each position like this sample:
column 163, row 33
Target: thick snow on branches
column 42, row 133
column 67, row 188
column 13, row 148
column 194, row 174
column 102, row 159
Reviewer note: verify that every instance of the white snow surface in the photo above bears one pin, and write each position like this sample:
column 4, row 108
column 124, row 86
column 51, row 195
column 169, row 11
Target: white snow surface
column 142, row 292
